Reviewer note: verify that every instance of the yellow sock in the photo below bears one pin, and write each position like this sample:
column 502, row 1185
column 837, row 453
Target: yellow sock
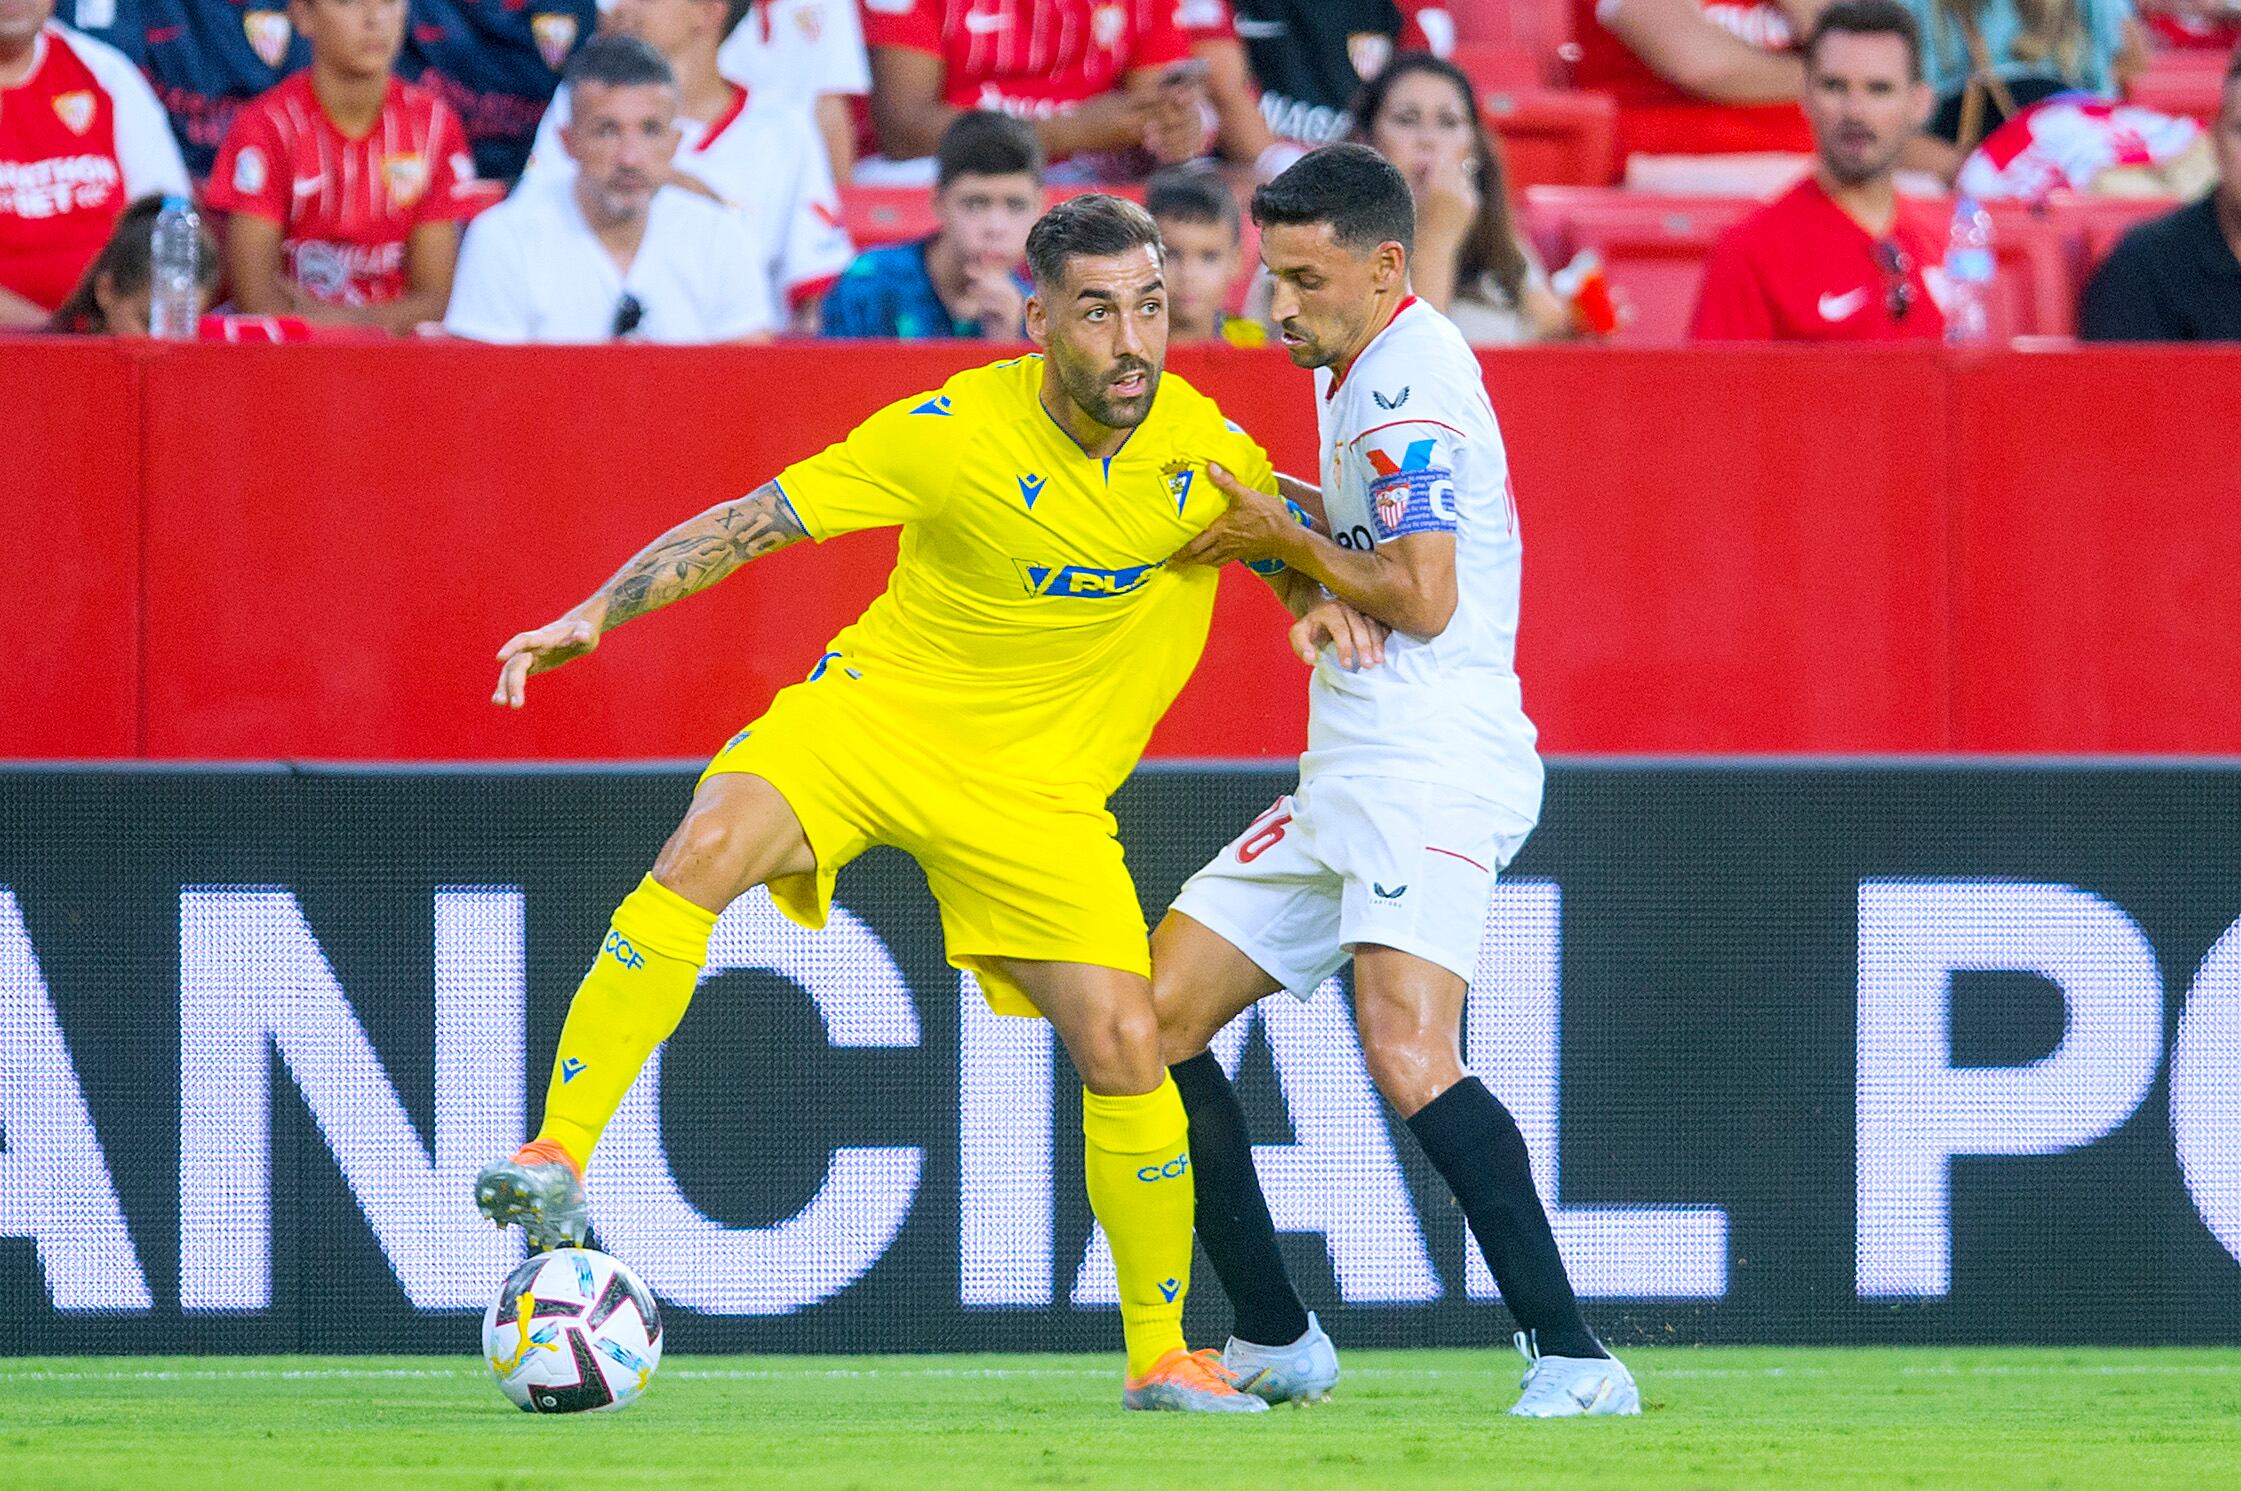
column 1137, row 1160
column 628, row 1003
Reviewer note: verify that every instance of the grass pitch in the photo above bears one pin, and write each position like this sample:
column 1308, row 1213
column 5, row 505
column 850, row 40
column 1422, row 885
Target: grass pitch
column 1714, row 1418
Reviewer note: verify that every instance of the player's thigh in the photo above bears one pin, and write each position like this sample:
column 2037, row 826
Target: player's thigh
column 739, row 832
column 1408, row 1011
column 1104, row 1016
column 1200, row 982
column 1268, row 896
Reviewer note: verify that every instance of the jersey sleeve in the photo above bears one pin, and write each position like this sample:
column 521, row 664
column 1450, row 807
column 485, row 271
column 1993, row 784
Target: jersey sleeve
column 838, row 54
column 490, row 292
column 915, row 24
column 252, row 171
column 451, row 172
column 1731, row 304
column 896, row 467
column 147, row 153
column 815, row 247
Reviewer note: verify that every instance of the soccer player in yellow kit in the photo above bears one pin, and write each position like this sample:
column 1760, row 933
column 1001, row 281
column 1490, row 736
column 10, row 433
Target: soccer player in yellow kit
column 978, row 715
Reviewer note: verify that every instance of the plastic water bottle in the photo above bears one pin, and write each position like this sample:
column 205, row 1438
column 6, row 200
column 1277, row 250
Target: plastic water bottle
column 174, row 276
column 1968, row 276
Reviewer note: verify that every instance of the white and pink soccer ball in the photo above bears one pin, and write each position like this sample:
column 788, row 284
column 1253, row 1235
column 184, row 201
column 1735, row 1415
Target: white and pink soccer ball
column 572, row 1331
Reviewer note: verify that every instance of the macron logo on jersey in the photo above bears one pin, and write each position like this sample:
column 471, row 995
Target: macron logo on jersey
column 939, row 404
column 1030, row 488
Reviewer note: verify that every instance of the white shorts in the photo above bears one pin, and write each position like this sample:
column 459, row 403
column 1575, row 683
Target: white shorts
column 1354, row 860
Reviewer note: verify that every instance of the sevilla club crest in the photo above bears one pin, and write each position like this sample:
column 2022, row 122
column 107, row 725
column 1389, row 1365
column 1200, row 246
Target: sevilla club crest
column 556, row 38
column 269, row 34
column 1369, row 51
column 1392, row 506
column 406, row 176
column 75, row 110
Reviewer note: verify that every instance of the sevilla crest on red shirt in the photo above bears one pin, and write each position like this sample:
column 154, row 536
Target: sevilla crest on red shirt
column 75, row 109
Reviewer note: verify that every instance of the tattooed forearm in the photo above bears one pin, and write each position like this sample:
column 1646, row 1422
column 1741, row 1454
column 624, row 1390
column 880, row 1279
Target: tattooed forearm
column 696, row 554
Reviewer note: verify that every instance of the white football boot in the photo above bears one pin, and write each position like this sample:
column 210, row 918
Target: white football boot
column 1303, row 1372
column 1559, row 1387
column 538, row 1189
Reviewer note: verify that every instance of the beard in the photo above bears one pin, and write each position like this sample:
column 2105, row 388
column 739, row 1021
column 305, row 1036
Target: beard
column 1091, row 391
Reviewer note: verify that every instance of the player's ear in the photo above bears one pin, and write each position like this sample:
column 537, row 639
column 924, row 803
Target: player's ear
column 1392, row 264
column 1038, row 321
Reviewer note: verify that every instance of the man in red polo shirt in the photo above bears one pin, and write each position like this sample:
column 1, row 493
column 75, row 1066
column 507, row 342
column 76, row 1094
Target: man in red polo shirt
column 346, row 185
column 81, row 135
column 1101, row 81
column 1831, row 259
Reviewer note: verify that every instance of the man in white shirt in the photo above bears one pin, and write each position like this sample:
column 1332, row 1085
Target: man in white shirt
column 611, row 251
column 809, row 56
column 761, row 158
column 1419, row 784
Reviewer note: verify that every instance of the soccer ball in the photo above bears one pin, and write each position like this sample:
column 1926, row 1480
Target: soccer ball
column 572, row 1331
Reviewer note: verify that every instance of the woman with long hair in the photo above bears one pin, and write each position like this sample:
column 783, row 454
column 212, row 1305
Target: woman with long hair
column 1421, row 113
column 113, row 297
column 1987, row 60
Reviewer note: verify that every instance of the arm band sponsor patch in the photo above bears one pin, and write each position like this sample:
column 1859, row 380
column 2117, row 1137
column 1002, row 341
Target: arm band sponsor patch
column 1420, row 500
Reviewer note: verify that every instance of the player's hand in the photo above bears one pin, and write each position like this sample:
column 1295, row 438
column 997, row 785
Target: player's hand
column 540, row 651
column 1359, row 639
column 1256, row 526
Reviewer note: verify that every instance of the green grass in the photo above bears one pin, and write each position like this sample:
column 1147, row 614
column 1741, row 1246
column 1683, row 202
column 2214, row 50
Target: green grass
column 1715, row 1418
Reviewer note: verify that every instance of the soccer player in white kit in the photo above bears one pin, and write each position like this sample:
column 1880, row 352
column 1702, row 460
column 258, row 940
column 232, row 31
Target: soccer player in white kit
column 1420, row 782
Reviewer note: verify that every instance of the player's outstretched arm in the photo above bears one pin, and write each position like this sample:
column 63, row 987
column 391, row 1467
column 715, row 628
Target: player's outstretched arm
column 1408, row 583
column 687, row 559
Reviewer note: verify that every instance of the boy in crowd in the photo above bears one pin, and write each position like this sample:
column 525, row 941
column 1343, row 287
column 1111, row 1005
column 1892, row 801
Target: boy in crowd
column 345, row 186
column 1205, row 238
column 964, row 280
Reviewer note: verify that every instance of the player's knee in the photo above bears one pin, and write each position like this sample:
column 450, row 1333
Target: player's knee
column 1182, row 1032
column 705, row 857
column 1410, row 1066
column 1121, row 1050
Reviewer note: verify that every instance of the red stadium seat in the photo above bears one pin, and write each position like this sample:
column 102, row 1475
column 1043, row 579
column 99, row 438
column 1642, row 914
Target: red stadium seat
column 2035, row 286
column 2187, row 83
column 1653, row 250
column 2091, row 226
column 1553, row 137
column 877, row 215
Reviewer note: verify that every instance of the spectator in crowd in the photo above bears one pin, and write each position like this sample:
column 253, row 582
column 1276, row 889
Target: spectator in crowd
column 81, row 135
column 1832, row 259
column 763, row 161
column 1696, row 77
column 1102, row 92
column 806, row 55
column 1310, row 57
column 113, row 297
column 205, row 60
column 615, row 250
column 2192, row 25
column 495, row 62
column 1987, row 59
column 964, row 281
column 345, row 186
column 1421, row 113
column 1203, row 236
column 2178, row 278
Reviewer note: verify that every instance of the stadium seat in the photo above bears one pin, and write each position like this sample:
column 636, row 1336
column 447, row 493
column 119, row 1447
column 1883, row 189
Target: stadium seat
column 1553, row 137
column 2035, row 275
column 878, row 215
column 2091, row 226
column 2187, row 83
column 1653, row 250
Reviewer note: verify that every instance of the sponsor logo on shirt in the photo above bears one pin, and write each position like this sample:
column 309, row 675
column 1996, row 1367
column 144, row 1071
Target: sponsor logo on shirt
column 1394, row 402
column 330, row 271
column 269, row 34
column 406, row 176
column 555, row 36
column 1083, row 580
column 75, row 110
column 59, row 184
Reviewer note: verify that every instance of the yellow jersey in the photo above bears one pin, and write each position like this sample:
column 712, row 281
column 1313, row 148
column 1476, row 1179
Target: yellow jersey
column 1031, row 620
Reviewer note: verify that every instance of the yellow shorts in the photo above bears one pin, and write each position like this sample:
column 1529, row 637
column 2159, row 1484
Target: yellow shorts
column 1017, row 873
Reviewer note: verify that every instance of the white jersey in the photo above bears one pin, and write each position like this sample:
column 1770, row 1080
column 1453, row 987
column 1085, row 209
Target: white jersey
column 797, row 51
column 764, row 161
column 1410, row 445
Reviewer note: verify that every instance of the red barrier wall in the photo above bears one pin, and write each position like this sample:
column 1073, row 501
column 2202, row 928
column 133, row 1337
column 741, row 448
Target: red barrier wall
column 1746, row 550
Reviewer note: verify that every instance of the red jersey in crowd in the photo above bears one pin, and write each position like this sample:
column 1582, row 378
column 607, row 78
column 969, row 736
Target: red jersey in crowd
column 1030, row 58
column 1801, row 270
column 80, row 136
column 1659, row 118
column 345, row 207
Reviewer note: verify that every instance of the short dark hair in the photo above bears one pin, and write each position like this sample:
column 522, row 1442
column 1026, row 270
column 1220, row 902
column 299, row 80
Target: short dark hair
column 1868, row 18
column 1352, row 188
column 1092, row 224
column 982, row 142
column 1186, row 194
column 618, row 62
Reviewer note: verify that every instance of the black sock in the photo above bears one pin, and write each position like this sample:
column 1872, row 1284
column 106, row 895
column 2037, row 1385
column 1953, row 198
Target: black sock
column 1233, row 1220
column 1474, row 1142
